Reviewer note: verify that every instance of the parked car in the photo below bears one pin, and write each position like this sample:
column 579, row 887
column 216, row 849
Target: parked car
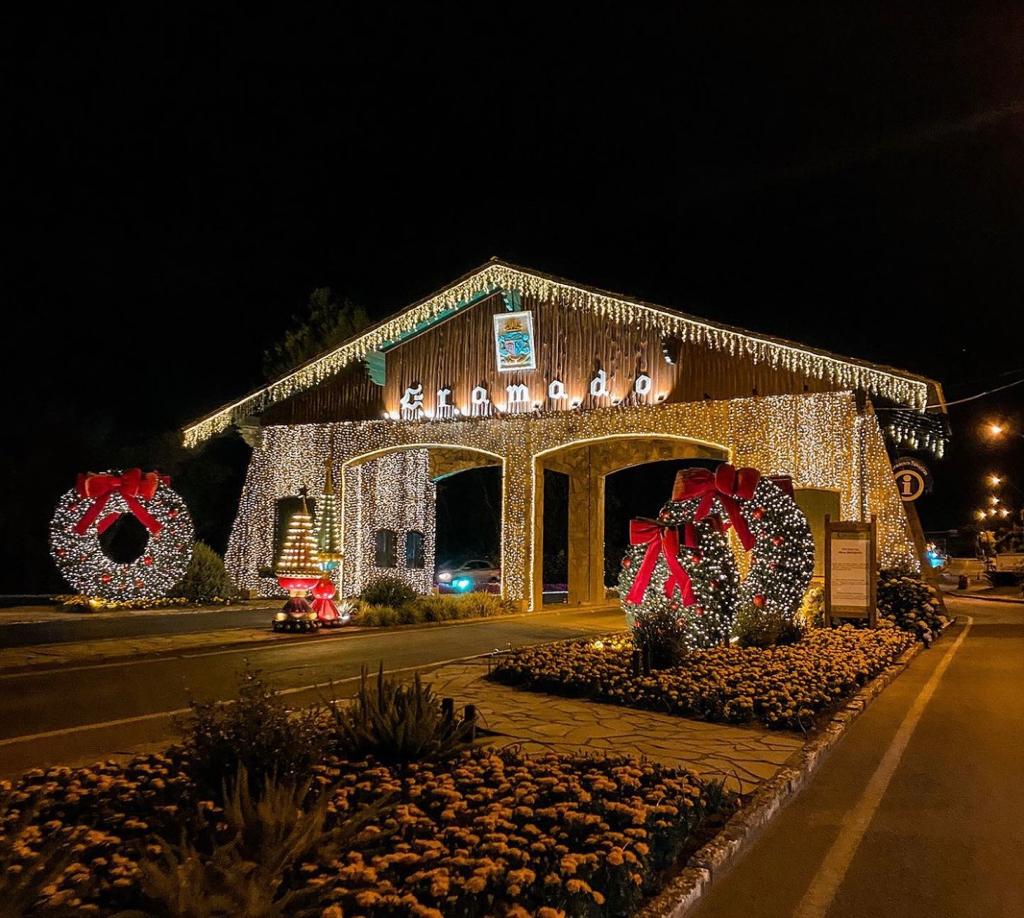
column 470, row 576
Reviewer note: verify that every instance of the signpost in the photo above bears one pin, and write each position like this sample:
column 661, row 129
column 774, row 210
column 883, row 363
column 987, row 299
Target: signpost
column 851, row 570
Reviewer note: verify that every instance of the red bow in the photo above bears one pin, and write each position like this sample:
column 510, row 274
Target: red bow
column 660, row 540
column 727, row 483
column 132, row 485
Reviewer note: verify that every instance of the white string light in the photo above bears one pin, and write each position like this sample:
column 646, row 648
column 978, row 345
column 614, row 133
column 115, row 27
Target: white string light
column 818, row 439
column 495, row 276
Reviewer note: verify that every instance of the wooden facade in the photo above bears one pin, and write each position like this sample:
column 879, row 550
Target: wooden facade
column 572, row 345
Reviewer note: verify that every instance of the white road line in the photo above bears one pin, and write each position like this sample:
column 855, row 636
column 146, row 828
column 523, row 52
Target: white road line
column 830, row 875
column 141, row 718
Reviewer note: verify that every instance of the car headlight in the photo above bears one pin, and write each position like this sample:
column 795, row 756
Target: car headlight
column 444, row 576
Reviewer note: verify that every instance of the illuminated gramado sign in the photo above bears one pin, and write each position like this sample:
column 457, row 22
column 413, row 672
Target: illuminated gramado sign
column 518, row 399
column 514, row 349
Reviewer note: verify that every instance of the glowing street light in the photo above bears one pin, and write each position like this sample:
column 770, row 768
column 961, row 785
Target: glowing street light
column 996, row 429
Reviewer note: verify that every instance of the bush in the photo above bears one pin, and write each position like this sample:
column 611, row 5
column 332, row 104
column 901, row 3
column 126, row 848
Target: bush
column 206, row 579
column 432, row 608
column 256, row 732
column 811, row 613
column 253, row 872
column 387, row 590
column 910, row 604
column 396, row 722
column 763, row 627
column 663, row 635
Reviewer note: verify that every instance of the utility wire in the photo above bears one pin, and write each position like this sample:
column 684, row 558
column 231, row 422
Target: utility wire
column 971, row 398
column 960, row 401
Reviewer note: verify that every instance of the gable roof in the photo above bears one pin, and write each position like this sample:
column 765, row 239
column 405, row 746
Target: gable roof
column 496, row 276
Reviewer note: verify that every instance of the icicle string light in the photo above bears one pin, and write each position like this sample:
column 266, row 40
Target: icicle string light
column 818, row 439
column 496, row 276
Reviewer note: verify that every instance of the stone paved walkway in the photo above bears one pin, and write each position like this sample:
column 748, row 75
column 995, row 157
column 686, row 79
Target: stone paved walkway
column 743, row 756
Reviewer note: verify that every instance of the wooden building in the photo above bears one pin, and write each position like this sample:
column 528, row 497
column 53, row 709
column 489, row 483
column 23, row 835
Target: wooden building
column 510, row 367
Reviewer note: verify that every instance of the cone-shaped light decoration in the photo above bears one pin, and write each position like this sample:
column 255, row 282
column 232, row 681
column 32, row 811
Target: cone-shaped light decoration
column 328, row 519
column 298, row 566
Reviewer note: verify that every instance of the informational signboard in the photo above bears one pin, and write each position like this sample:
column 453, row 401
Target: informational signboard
column 851, row 570
column 913, row 479
column 513, row 341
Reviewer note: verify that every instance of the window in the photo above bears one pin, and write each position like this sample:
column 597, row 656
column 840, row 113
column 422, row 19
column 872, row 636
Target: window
column 414, row 549
column 385, row 545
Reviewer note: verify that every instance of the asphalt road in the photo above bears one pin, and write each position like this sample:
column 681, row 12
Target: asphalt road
column 919, row 809
column 127, row 624
column 71, row 714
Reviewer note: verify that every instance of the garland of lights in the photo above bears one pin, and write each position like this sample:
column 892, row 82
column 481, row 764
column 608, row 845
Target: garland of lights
column 494, row 277
column 95, row 503
column 662, row 620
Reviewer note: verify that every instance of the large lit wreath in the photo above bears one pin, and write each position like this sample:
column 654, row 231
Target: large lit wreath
column 95, row 503
column 768, row 524
column 680, row 582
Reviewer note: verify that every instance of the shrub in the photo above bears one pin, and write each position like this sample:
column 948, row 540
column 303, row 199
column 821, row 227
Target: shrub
column 663, row 635
column 387, row 590
column 910, row 604
column 432, row 608
column 206, row 578
column 811, row 613
column 396, row 722
column 461, row 605
column 256, row 732
column 763, row 627
column 253, row 873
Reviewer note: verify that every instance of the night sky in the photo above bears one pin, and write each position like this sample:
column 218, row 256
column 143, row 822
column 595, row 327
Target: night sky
column 849, row 178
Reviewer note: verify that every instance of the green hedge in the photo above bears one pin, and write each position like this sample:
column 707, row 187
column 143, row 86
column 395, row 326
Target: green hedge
column 433, row 608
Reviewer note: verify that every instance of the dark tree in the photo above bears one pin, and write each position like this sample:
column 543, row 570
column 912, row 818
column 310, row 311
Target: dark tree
column 326, row 323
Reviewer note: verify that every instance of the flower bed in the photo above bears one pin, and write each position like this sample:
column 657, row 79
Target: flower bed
column 785, row 687
column 490, row 833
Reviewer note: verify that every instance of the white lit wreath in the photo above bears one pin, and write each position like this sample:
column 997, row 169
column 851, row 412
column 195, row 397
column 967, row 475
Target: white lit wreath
column 768, row 523
column 92, row 506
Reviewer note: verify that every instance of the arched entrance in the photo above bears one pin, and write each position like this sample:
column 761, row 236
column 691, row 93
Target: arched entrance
column 389, row 500
column 586, row 464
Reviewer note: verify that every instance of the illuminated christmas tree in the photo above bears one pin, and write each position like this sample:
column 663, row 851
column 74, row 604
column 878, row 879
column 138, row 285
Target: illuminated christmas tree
column 299, row 560
column 328, row 520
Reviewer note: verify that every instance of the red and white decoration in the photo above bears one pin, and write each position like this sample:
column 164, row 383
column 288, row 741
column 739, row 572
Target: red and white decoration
column 95, row 503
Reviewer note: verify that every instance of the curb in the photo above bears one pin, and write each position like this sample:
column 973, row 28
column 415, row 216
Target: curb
column 984, row 598
column 685, row 890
